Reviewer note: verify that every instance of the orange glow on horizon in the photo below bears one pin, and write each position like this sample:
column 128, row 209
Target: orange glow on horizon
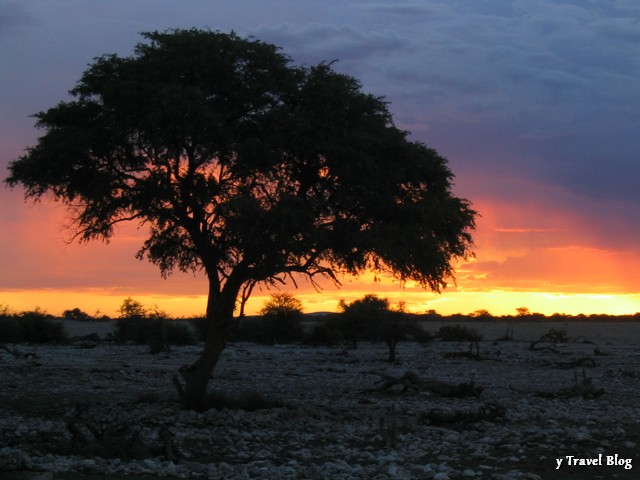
column 496, row 302
column 528, row 254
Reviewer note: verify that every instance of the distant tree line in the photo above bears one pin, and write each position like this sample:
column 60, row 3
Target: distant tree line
column 280, row 321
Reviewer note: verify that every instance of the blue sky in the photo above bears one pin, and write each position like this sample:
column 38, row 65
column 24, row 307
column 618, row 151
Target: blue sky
column 534, row 103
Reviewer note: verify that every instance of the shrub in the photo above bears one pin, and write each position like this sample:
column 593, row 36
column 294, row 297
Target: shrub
column 199, row 325
column 76, row 314
column 37, row 328
column 459, row 333
column 137, row 330
column 31, row 327
column 10, row 330
column 365, row 319
column 281, row 320
column 327, row 333
column 242, row 329
column 268, row 329
column 153, row 331
column 280, row 328
column 142, row 326
column 178, row 332
column 413, row 330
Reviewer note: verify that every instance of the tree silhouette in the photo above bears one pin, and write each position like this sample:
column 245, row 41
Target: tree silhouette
column 281, row 318
column 247, row 167
column 364, row 317
column 282, row 304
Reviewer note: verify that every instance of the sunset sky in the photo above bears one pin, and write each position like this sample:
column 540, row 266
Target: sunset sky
column 536, row 105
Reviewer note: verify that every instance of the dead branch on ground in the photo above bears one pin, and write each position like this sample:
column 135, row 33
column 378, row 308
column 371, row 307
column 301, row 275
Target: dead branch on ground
column 579, row 362
column 471, row 355
column 491, row 411
column 411, row 381
column 552, row 337
column 581, row 388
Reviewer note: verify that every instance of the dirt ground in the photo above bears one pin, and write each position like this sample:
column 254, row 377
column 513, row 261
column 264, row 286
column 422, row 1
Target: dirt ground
column 111, row 411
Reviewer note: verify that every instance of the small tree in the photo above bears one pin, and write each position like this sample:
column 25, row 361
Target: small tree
column 395, row 328
column 461, row 333
column 40, row 327
column 481, row 314
column 248, row 168
column 131, row 308
column 142, row 325
column 372, row 318
column 282, row 305
column 281, row 317
column 76, row 314
column 364, row 318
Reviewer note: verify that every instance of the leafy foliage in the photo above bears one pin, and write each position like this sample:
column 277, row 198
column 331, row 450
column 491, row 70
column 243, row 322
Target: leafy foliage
column 329, row 331
column 142, row 326
column 281, row 317
column 282, row 304
column 132, row 308
column 247, row 167
column 76, row 314
column 371, row 318
column 31, row 327
column 459, row 333
column 364, row 318
column 238, row 160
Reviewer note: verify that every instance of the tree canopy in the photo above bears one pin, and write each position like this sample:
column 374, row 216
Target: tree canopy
column 247, row 166
column 282, row 304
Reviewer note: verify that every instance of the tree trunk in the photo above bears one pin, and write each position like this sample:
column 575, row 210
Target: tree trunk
column 195, row 391
column 219, row 317
column 391, row 344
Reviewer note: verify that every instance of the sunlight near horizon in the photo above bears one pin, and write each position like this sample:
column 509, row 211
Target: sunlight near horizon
column 496, row 302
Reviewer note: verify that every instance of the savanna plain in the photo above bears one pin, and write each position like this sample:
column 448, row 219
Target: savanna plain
column 545, row 400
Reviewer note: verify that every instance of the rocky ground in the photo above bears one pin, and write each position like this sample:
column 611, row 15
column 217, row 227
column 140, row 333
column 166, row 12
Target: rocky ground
column 111, row 410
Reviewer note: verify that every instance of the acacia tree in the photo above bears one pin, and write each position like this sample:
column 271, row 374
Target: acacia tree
column 281, row 318
column 372, row 318
column 282, row 304
column 364, row 316
column 248, row 167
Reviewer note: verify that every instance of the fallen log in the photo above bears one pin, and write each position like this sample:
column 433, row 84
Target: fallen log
column 411, row 381
column 493, row 412
column 583, row 388
column 579, row 362
column 471, row 355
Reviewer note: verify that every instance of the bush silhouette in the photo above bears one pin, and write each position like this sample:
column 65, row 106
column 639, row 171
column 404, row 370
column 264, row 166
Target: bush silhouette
column 330, row 331
column 31, row 327
column 281, row 317
column 77, row 314
column 10, row 330
column 459, row 333
column 141, row 326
